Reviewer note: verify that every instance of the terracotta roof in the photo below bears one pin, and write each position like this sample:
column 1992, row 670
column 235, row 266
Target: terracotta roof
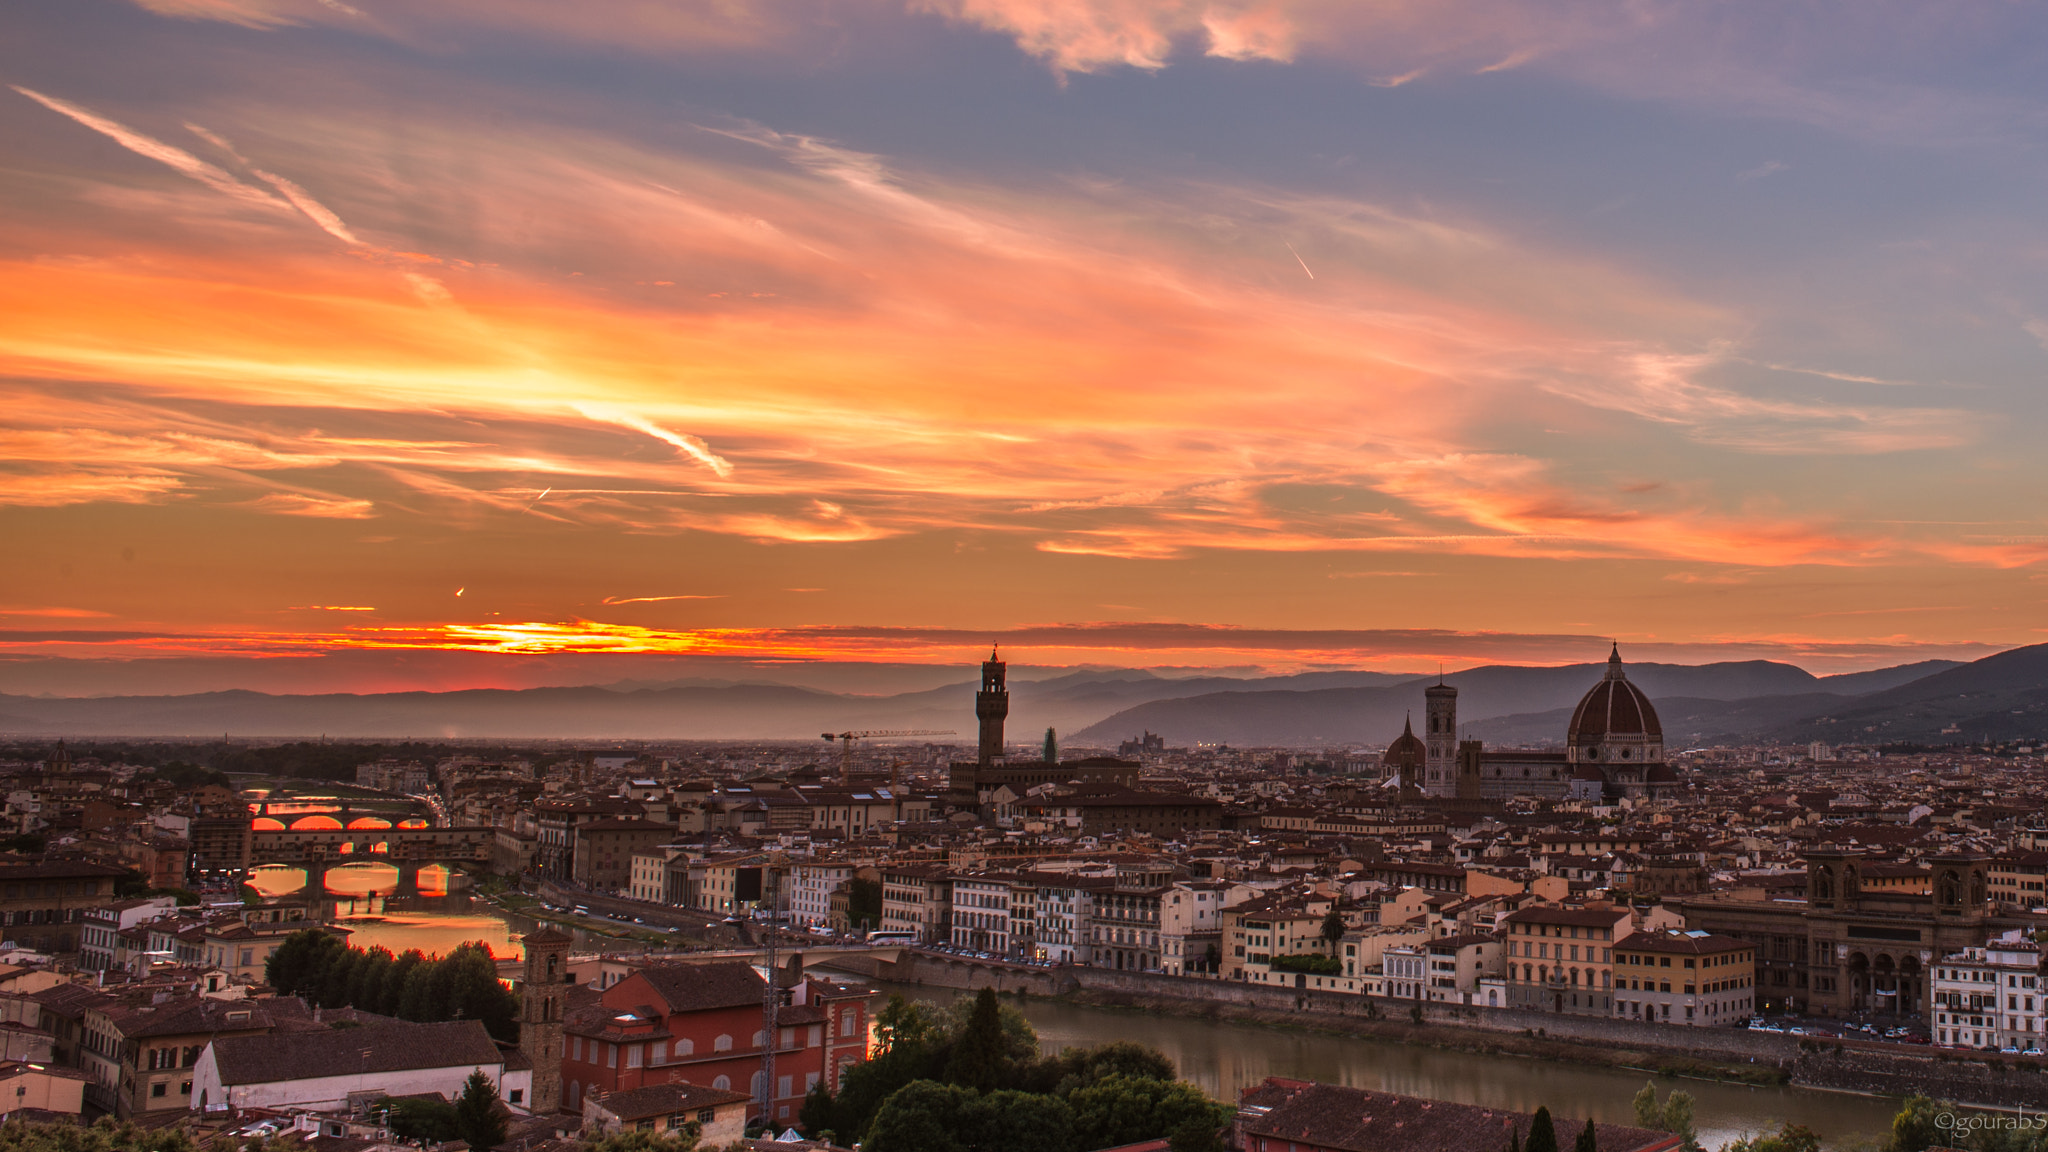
column 354, row 1052
column 698, row 987
column 1355, row 1120
column 664, row 1099
column 1614, row 707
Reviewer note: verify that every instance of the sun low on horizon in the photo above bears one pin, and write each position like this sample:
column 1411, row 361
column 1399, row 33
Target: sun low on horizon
column 1227, row 334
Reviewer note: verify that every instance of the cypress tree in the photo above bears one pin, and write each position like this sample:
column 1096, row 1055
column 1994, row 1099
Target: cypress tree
column 477, row 1115
column 979, row 1060
column 1588, row 1142
column 1542, row 1133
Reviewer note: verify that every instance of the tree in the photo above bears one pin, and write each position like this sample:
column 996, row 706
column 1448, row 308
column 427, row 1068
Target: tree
column 1076, row 1068
column 980, row 1057
column 1126, row 1110
column 1588, row 1142
column 478, row 1115
column 414, row 1118
column 1333, row 928
column 1673, row 1116
column 1788, row 1138
column 644, row 1140
column 1649, row 1113
column 392, row 993
column 103, row 1135
column 1195, row 1136
column 1010, row 1121
column 1542, row 1133
column 299, row 958
column 1678, row 1120
column 816, row 1116
column 1020, row 1040
column 1914, row 1128
column 922, row 1116
column 474, row 993
column 904, row 1021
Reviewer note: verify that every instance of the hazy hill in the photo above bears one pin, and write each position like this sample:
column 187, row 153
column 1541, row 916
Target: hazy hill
column 2001, row 697
column 699, row 710
column 1373, row 715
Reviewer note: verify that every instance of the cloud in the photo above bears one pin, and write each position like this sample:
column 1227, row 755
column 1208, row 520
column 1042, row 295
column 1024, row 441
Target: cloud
column 1663, row 387
column 175, row 158
column 325, row 507
column 64, row 613
column 689, row 445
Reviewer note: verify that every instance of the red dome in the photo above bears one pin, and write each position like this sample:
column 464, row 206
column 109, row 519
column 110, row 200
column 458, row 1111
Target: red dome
column 1406, row 752
column 1614, row 707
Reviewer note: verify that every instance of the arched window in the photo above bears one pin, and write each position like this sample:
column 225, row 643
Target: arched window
column 723, row 1083
column 686, row 1047
column 760, row 1084
column 761, row 1038
column 722, row 1044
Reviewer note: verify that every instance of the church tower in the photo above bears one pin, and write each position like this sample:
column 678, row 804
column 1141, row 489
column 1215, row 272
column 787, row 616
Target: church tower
column 992, row 707
column 543, row 990
column 1440, row 716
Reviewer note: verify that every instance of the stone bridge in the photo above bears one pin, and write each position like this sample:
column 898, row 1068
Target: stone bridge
column 407, row 849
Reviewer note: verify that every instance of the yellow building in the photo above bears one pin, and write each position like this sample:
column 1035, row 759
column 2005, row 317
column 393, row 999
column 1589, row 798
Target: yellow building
column 1684, row 978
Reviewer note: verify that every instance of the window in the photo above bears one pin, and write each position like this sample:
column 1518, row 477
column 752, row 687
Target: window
column 185, row 1089
column 158, row 1089
column 705, row 1115
column 633, row 1055
column 723, row 1083
column 722, row 1044
column 515, row 1096
column 686, row 1047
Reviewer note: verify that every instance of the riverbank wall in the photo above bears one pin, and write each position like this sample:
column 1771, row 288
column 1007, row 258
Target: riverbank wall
column 1989, row 1081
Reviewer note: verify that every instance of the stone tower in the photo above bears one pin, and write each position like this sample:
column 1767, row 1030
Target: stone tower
column 542, row 992
column 1440, row 717
column 992, row 707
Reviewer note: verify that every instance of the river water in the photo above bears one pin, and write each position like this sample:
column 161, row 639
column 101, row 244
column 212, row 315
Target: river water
column 1222, row 1058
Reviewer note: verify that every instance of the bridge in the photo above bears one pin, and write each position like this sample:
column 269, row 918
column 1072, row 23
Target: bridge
column 407, row 849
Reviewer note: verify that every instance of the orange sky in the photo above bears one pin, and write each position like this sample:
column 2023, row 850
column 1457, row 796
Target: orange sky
column 336, row 326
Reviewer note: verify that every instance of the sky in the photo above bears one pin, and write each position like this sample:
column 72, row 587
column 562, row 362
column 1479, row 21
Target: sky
column 1260, row 334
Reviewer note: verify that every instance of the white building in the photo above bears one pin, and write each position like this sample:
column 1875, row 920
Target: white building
column 1406, row 967
column 1191, row 923
column 810, row 891
column 1064, row 910
column 1989, row 997
column 321, row 1070
column 981, row 912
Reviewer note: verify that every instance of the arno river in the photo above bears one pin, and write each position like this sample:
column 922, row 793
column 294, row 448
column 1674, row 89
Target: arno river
column 1220, row 1057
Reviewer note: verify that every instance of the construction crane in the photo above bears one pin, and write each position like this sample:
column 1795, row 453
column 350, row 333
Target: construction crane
column 846, row 740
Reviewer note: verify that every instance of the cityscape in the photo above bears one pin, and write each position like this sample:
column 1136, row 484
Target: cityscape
column 762, row 944
column 1023, row 576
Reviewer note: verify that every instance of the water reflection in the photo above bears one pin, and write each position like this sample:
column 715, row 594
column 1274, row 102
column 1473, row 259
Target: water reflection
column 1224, row 1058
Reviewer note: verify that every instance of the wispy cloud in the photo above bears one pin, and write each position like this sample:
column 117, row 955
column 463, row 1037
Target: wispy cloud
column 175, row 158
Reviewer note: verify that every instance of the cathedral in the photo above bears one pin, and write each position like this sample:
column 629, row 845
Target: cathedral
column 1613, row 750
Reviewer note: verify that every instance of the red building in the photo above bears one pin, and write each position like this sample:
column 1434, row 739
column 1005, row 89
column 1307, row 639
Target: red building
column 702, row 1024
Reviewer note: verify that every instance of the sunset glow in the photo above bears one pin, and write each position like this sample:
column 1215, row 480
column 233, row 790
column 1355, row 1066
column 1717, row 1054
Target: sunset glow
column 1292, row 334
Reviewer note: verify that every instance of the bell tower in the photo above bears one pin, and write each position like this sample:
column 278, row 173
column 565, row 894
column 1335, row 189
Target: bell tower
column 1440, row 716
column 543, row 990
column 992, row 707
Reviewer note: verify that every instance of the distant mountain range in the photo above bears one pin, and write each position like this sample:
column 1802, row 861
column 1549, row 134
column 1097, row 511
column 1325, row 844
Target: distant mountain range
column 679, row 710
column 1505, row 704
column 2001, row 697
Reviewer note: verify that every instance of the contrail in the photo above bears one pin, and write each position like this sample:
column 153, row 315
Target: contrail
column 537, row 499
column 1299, row 260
